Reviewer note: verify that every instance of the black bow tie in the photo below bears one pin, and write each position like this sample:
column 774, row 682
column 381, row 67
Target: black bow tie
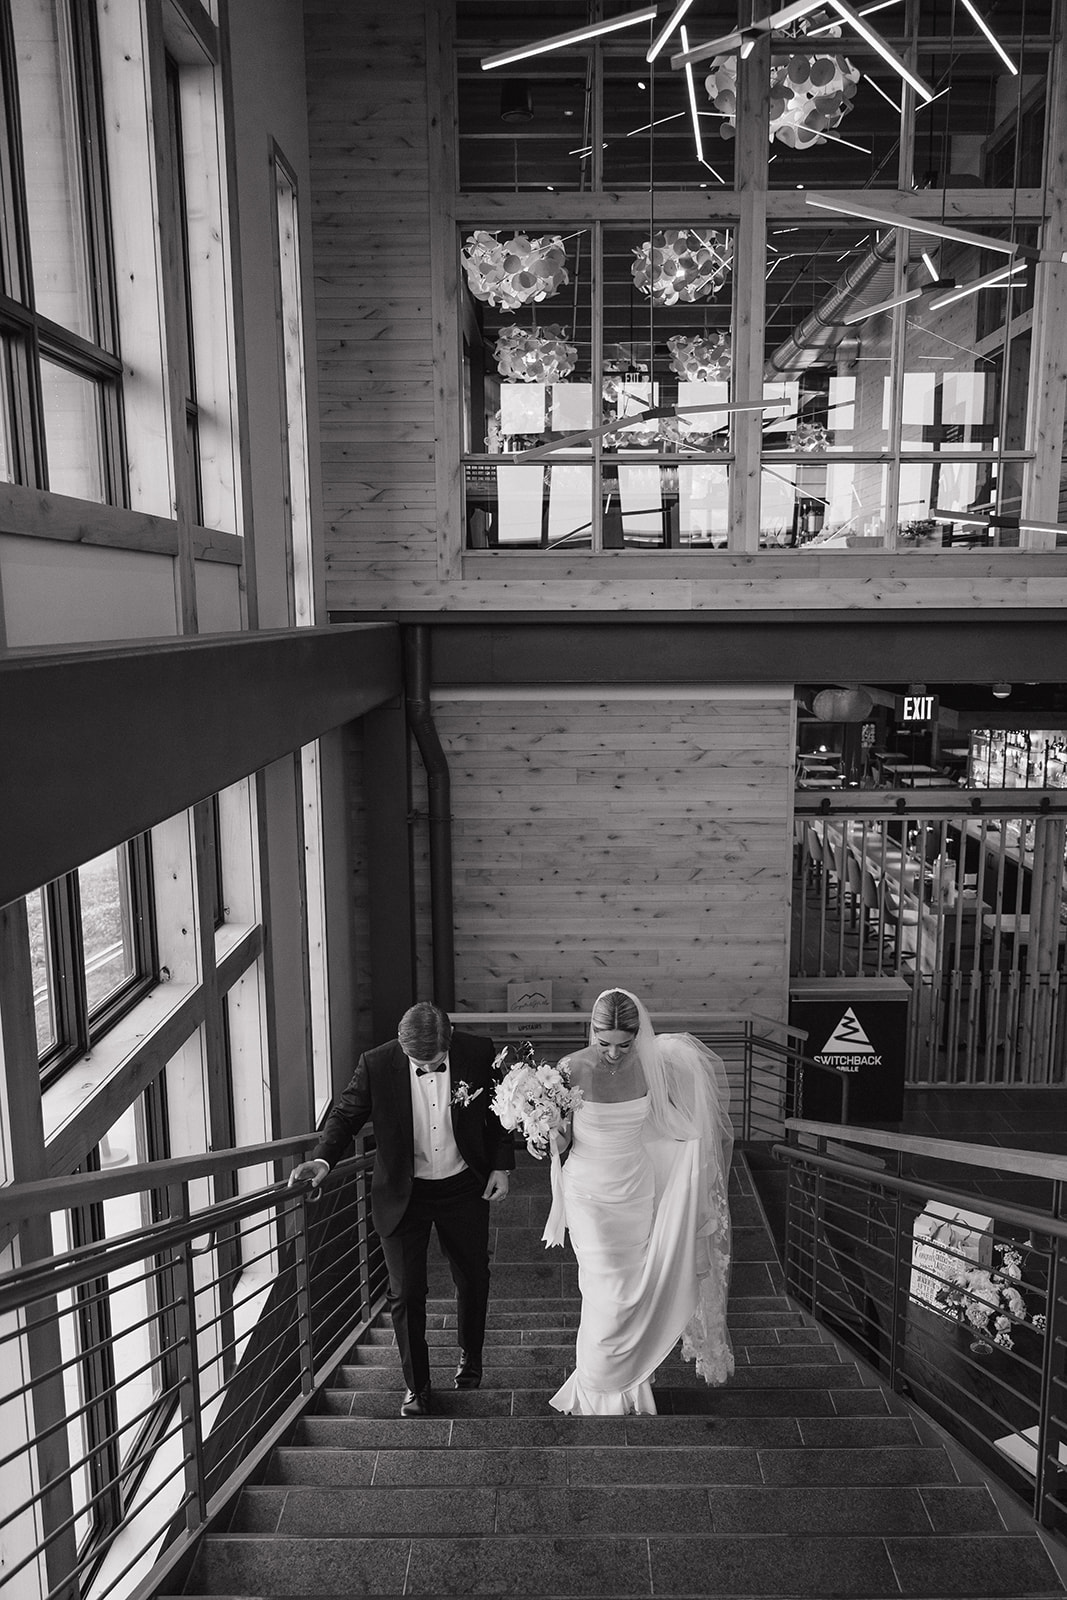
column 420, row 1072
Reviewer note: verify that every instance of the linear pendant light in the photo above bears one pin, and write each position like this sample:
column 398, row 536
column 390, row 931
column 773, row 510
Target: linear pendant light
column 988, row 281
column 570, row 441
column 664, row 34
column 694, row 109
column 884, row 305
column 896, row 219
column 732, row 41
column 983, row 25
column 560, row 41
column 886, row 51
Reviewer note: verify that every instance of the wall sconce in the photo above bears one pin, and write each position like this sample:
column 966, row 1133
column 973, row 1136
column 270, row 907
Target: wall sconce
column 1001, row 691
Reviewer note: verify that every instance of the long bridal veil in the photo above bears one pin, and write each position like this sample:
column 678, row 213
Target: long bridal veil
column 689, row 1098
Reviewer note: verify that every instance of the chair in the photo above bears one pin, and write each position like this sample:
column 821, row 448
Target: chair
column 854, row 880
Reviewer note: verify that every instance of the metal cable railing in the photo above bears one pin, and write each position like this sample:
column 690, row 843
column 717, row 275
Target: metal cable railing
column 958, row 1300
column 151, row 1367
column 147, row 1374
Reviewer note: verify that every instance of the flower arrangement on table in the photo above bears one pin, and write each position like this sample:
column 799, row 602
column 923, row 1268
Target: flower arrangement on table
column 533, row 1097
column 989, row 1299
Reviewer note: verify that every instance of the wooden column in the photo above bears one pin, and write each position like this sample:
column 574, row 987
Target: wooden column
column 750, row 276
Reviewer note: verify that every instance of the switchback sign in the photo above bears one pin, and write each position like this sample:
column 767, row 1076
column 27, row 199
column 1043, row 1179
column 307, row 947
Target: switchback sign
column 848, row 1047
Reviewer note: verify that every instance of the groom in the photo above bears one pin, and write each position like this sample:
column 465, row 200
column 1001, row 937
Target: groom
column 441, row 1157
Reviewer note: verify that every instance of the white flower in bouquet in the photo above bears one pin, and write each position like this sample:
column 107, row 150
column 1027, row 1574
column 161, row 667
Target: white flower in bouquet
column 987, row 1298
column 533, row 1097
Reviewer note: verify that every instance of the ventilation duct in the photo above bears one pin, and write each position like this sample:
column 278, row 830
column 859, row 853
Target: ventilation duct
column 825, row 328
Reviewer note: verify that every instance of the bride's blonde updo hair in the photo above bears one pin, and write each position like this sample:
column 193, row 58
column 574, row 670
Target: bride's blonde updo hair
column 614, row 1012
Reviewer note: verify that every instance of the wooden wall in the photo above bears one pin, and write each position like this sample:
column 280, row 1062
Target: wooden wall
column 366, row 75
column 627, row 837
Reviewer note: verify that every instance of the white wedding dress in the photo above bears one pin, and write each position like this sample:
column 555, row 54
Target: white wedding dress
column 643, row 1196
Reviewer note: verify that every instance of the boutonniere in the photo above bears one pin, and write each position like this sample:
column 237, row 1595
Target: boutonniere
column 464, row 1095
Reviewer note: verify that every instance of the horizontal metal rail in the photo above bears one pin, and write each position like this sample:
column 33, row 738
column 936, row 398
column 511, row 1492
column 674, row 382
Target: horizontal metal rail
column 959, row 1300
column 183, row 1349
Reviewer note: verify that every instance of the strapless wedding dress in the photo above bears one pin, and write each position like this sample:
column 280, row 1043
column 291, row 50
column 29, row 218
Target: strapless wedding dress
column 631, row 1206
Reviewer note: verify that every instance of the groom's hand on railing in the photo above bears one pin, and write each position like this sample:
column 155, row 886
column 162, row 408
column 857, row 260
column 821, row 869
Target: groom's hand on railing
column 315, row 1170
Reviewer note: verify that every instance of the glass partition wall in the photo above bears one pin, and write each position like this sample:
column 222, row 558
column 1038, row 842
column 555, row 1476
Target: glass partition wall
column 676, row 285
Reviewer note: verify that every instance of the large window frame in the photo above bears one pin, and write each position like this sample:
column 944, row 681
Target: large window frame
column 77, row 1025
column 28, row 337
column 752, row 200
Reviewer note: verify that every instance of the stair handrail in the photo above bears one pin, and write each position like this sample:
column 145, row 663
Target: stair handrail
column 39, row 1197
column 324, row 1283
column 836, row 1226
column 995, row 1158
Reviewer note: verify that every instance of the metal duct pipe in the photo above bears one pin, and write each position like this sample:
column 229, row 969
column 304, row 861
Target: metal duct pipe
column 439, row 784
column 812, row 337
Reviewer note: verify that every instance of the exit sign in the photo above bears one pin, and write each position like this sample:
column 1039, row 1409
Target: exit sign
column 917, row 708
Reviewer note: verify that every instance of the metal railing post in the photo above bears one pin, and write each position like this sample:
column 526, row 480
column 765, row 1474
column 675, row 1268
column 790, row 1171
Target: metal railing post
column 186, row 1353
column 746, row 1109
column 364, row 1244
column 302, row 1267
column 898, row 1321
column 818, row 1215
column 1049, row 1430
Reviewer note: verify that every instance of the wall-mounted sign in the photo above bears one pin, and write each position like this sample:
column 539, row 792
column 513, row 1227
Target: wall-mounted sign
column 913, row 708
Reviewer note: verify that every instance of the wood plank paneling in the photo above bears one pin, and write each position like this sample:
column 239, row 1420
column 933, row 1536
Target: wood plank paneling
column 366, row 71
column 619, row 840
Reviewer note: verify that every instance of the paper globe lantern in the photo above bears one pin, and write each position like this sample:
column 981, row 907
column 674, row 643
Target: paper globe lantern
column 700, row 357
column 514, row 272
column 682, row 265
column 534, row 355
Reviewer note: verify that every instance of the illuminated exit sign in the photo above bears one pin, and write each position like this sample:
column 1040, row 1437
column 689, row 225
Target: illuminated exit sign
column 917, row 708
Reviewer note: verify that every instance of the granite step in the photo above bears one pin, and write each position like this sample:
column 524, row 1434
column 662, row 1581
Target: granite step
column 675, row 1564
column 800, row 1479
column 725, row 1502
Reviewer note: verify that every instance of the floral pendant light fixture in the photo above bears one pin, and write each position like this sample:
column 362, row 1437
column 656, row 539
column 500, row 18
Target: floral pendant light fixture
column 700, row 357
column 811, row 92
column 515, row 272
column 682, row 265
column 534, row 355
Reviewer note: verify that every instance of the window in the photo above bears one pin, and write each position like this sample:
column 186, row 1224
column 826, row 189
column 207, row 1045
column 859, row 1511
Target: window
column 92, row 949
column 60, row 396
column 118, row 1338
column 619, row 294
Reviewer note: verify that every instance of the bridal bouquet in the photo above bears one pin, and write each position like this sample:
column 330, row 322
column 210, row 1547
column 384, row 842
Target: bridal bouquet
column 532, row 1096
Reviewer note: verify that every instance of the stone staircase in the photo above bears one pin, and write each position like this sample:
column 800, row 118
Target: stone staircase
column 799, row 1478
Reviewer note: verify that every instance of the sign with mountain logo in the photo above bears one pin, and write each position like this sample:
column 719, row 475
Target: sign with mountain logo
column 856, row 1041
column 848, row 1047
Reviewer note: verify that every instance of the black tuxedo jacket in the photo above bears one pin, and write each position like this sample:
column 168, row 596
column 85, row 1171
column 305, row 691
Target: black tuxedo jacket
column 380, row 1090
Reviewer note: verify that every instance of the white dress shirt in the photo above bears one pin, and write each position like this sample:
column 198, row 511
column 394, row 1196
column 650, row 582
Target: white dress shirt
column 436, row 1152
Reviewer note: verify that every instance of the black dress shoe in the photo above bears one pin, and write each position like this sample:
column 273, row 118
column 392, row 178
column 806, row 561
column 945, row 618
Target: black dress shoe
column 469, row 1371
column 417, row 1403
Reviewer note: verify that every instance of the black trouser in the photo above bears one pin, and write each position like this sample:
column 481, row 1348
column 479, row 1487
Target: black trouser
column 454, row 1206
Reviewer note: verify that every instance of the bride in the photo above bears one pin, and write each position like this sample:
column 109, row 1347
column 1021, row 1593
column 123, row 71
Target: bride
column 643, row 1195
